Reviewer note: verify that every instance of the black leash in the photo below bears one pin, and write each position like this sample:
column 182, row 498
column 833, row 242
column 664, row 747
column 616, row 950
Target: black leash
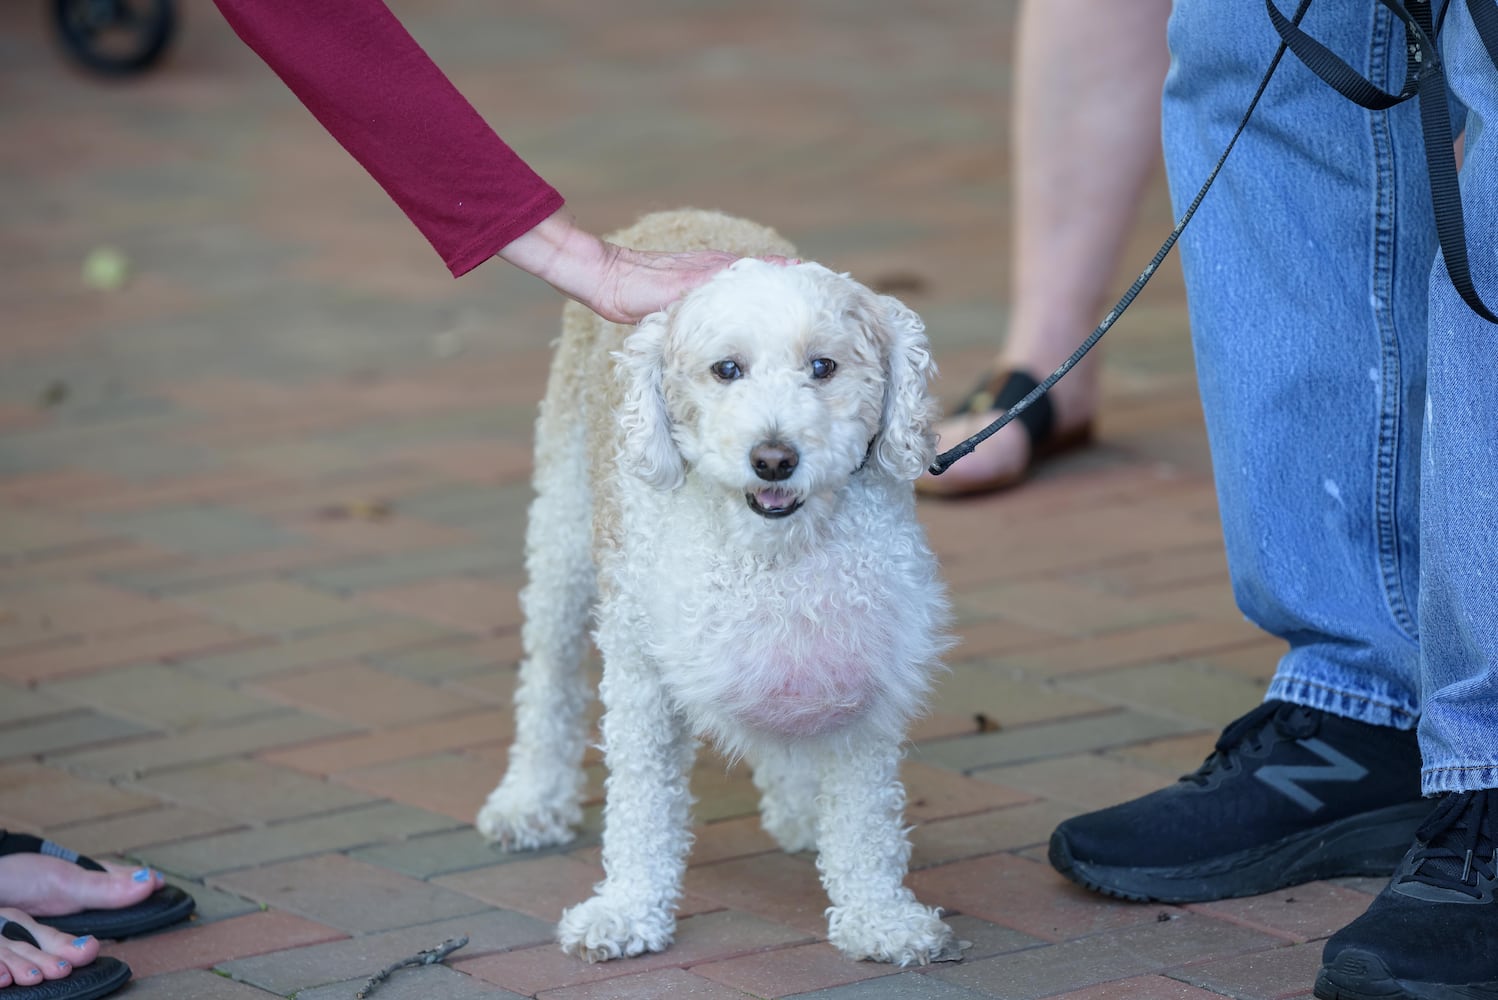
column 1424, row 78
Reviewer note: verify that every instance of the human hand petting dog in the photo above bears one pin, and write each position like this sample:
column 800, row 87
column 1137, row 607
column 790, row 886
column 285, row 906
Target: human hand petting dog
column 620, row 284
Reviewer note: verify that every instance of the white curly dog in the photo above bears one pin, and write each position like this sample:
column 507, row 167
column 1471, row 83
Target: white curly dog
column 745, row 460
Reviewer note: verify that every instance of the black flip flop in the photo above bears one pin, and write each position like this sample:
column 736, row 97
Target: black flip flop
column 99, row 978
column 166, row 906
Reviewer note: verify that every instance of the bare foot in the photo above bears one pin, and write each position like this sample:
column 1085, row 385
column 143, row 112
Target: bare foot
column 52, row 957
column 44, row 886
column 996, row 464
column 1004, row 459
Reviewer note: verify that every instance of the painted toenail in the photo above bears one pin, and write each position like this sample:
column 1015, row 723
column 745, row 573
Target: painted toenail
column 144, row 875
column 62, row 963
column 82, row 942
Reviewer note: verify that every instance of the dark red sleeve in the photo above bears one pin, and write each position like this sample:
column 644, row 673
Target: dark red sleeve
column 363, row 76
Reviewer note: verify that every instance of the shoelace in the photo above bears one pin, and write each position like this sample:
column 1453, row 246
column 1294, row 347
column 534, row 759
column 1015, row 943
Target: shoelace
column 1457, row 847
column 1293, row 721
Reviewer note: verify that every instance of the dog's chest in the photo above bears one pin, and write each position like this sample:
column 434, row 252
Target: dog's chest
column 794, row 652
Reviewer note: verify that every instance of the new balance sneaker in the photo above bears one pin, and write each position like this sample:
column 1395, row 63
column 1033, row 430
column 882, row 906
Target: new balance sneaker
column 1432, row 934
column 1290, row 794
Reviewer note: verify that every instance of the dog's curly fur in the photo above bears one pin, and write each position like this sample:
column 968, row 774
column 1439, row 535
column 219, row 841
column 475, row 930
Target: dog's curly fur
column 792, row 615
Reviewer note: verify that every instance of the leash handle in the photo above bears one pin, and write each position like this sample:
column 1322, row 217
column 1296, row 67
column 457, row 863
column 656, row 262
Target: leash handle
column 944, row 461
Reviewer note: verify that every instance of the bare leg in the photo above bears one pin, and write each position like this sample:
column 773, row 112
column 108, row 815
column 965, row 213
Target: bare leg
column 1086, row 140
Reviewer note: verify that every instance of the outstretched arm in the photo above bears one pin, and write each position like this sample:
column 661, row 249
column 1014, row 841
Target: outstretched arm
column 375, row 90
column 363, row 76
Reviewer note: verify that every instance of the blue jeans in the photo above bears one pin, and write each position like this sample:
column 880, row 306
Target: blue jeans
column 1351, row 396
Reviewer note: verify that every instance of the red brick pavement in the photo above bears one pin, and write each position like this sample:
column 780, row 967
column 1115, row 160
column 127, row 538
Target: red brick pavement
column 261, row 511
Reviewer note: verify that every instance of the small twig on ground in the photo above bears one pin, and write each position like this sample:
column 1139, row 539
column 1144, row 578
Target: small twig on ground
column 430, row 956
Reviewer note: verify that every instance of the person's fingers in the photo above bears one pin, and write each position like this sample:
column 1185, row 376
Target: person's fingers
column 639, row 282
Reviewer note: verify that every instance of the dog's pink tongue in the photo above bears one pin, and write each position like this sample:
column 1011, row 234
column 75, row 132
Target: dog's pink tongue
column 773, row 499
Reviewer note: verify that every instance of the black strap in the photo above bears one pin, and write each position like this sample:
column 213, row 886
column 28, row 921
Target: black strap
column 1001, row 390
column 1040, row 419
column 1343, row 78
column 25, row 843
column 12, row 931
column 1485, row 17
column 1426, row 79
column 1435, row 122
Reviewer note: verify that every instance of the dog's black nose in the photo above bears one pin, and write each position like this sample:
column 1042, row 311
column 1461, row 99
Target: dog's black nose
column 773, row 461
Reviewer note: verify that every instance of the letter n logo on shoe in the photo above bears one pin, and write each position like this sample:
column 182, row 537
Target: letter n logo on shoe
column 1283, row 777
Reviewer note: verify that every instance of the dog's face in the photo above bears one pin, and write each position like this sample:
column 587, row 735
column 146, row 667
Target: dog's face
column 778, row 384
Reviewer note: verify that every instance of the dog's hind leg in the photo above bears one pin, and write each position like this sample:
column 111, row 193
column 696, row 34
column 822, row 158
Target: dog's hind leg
column 538, row 802
column 863, row 855
column 788, row 783
column 646, row 817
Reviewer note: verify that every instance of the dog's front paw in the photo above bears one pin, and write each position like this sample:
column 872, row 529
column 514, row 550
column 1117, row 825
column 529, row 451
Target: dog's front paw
column 516, row 822
column 903, row 932
column 603, row 928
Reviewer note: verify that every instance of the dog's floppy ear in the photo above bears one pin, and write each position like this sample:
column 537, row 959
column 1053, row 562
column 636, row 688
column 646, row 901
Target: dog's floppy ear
column 648, row 450
column 907, row 436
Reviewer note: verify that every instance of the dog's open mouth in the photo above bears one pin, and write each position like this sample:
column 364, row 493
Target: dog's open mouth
column 773, row 502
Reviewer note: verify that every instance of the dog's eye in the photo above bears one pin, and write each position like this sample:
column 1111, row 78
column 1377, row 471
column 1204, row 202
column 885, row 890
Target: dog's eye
column 823, row 368
column 726, row 370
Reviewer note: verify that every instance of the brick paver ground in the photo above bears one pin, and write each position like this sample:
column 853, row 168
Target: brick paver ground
column 261, row 512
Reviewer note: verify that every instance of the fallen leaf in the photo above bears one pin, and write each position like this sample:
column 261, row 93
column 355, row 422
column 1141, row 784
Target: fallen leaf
column 54, row 394
column 105, row 269
column 899, row 283
column 357, row 510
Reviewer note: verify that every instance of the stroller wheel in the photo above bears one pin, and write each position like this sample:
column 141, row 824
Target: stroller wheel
column 114, row 36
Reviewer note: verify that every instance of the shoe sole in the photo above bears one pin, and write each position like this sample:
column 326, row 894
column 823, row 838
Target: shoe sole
column 1361, row 975
column 1370, row 843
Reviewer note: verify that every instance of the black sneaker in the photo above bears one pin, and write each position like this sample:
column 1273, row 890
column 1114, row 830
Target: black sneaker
column 1432, row 934
column 1289, row 795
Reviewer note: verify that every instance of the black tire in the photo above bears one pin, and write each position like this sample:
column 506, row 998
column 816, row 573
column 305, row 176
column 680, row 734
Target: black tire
column 115, row 37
